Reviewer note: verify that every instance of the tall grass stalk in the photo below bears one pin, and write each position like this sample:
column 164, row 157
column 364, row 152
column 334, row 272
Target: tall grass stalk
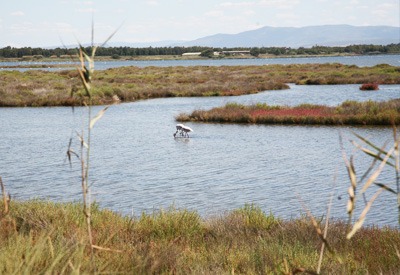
column 385, row 158
column 397, row 168
column 351, row 203
column 85, row 75
column 328, row 214
column 322, row 235
column 6, row 200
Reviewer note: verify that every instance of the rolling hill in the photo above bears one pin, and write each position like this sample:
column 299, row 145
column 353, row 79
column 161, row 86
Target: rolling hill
column 326, row 35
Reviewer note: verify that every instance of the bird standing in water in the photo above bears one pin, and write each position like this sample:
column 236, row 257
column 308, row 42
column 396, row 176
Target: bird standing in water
column 183, row 130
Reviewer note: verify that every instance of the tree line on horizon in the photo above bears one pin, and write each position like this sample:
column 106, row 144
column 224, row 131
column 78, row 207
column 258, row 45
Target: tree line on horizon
column 123, row 51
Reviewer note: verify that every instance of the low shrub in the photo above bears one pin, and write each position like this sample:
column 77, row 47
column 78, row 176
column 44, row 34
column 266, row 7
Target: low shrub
column 369, row 87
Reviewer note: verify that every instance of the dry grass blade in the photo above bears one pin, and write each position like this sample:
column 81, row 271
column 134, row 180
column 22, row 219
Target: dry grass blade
column 319, row 232
column 353, row 180
column 377, row 172
column 85, row 74
column 371, row 144
column 353, row 175
column 368, row 171
column 321, row 254
column 303, row 270
column 351, row 171
column 349, row 165
column 286, row 266
column 353, row 187
column 372, row 154
column 74, row 270
column 90, row 60
column 358, row 224
column 6, row 199
column 92, row 32
column 94, row 48
column 51, row 247
column 81, row 59
column 86, row 84
column 397, row 252
column 85, row 55
column 397, row 154
column 98, row 116
column 106, row 249
column 350, row 204
column 71, row 152
column 384, row 186
column 111, row 35
column 83, row 143
column 316, row 227
column 82, row 56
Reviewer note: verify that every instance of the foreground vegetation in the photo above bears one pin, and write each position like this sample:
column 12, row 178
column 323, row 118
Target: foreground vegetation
column 45, row 237
column 44, row 88
column 349, row 112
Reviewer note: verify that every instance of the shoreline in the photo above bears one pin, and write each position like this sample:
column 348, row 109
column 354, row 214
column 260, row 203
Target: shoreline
column 176, row 57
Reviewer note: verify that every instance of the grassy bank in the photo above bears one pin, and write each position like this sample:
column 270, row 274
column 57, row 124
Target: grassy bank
column 38, row 237
column 349, row 112
column 42, row 88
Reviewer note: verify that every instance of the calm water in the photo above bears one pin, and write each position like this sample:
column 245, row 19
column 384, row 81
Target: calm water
column 138, row 166
column 361, row 61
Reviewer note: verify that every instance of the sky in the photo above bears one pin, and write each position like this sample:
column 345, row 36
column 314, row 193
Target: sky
column 51, row 23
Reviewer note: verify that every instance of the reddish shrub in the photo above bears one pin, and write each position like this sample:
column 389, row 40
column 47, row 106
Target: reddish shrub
column 369, row 87
column 290, row 112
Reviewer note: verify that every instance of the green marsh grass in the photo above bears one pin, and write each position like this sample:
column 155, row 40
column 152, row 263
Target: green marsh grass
column 51, row 237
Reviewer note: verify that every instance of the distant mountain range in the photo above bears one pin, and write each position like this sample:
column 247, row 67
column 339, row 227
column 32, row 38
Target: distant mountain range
column 326, row 35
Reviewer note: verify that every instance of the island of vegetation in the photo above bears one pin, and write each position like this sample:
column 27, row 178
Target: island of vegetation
column 35, row 88
column 348, row 113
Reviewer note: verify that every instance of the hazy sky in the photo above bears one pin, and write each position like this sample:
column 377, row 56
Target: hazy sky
column 42, row 23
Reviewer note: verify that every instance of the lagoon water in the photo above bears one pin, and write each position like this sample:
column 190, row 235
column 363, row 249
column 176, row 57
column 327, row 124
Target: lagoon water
column 137, row 165
column 361, row 61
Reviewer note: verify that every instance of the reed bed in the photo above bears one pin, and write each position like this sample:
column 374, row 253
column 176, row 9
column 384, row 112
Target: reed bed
column 44, row 88
column 349, row 112
column 48, row 237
